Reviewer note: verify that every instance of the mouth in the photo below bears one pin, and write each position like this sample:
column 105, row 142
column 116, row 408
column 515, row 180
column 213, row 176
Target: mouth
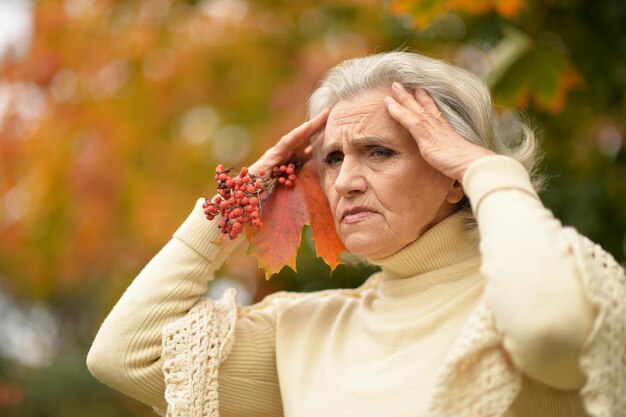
column 357, row 214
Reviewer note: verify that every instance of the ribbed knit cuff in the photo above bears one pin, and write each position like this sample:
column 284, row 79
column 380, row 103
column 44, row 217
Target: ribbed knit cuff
column 205, row 237
column 494, row 173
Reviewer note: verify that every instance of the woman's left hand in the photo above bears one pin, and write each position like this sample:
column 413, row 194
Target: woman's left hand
column 438, row 142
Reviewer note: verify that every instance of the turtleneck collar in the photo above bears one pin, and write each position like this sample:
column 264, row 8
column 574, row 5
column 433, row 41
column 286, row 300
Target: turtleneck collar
column 443, row 245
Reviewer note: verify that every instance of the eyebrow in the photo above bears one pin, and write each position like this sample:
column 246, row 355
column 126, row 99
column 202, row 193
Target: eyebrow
column 363, row 141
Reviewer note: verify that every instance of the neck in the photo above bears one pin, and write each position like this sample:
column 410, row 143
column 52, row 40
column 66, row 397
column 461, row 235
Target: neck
column 443, row 245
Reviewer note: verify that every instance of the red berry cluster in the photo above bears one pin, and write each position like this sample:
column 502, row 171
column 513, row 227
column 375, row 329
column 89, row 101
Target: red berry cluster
column 238, row 202
column 286, row 174
column 240, row 196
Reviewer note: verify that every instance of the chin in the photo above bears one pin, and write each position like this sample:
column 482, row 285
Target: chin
column 367, row 245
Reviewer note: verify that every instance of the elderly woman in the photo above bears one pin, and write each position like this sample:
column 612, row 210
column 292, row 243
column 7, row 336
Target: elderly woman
column 528, row 320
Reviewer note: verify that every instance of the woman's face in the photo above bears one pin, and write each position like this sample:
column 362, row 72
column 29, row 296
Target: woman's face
column 382, row 194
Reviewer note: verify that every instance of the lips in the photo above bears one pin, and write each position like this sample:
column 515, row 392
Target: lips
column 357, row 213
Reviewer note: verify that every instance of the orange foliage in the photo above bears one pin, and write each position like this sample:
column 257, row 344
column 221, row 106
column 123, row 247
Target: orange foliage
column 284, row 215
column 568, row 80
column 424, row 12
column 11, row 395
column 97, row 163
column 327, row 242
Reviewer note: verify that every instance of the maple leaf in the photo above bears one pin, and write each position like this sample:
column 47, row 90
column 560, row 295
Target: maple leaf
column 323, row 232
column 285, row 213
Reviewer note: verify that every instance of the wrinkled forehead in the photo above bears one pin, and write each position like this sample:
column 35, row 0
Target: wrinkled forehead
column 363, row 115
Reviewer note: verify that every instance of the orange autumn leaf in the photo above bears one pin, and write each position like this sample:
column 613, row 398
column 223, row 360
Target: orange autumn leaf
column 327, row 242
column 284, row 215
column 276, row 244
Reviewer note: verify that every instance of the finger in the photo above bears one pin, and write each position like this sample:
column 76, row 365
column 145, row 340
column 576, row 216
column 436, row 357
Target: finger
column 292, row 139
column 320, row 120
column 407, row 100
column 302, row 134
column 305, row 154
column 426, row 101
column 405, row 117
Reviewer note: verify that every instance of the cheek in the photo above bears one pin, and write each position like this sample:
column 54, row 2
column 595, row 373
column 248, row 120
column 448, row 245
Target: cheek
column 328, row 185
column 412, row 194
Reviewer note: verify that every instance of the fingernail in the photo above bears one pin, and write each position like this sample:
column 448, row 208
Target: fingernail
column 390, row 101
column 396, row 85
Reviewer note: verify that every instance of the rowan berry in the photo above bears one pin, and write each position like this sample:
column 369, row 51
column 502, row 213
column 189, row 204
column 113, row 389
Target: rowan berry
column 239, row 198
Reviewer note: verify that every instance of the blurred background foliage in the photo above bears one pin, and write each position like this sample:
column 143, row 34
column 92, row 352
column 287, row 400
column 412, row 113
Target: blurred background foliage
column 114, row 114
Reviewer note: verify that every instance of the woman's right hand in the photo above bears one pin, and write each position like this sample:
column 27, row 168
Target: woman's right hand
column 293, row 146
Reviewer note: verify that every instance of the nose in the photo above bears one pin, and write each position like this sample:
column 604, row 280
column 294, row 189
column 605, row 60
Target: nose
column 350, row 181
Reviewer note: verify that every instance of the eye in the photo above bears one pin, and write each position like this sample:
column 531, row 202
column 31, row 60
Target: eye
column 381, row 152
column 333, row 158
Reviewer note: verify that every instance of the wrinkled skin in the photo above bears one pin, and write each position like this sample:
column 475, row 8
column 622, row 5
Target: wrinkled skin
column 390, row 155
column 368, row 159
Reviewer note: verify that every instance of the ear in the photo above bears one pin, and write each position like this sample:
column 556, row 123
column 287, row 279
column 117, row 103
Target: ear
column 455, row 193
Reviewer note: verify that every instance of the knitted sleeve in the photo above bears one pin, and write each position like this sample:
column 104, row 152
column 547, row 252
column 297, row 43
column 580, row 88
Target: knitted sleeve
column 603, row 357
column 219, row 360
column 544, row 281
column 131, row 355
column 533, row 282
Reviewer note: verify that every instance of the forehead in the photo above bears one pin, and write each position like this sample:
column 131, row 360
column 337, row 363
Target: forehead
column 361, row 116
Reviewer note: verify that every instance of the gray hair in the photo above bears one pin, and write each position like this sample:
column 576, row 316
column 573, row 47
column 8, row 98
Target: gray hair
column 463, row 99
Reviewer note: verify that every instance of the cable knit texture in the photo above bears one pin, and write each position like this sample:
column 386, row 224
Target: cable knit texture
column 426, row 336
column 193, row 349
column 477, row 378
column 604, row 355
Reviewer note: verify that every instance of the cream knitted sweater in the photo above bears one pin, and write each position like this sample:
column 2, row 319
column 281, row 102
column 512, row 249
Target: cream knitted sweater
column 448, row 328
